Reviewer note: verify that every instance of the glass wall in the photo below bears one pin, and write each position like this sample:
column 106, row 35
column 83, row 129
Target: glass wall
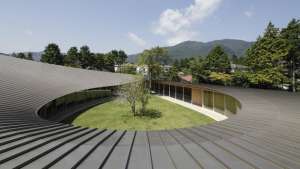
column 208, row 99
column 187, row 94
column 179, row 93
column 161, row 89
column 74, row 99
column 166, row 90
column 172, row 91
column 219, row 102
column 232, row 105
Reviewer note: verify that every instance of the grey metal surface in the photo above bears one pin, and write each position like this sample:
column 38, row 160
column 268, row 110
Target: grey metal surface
column 265, row 134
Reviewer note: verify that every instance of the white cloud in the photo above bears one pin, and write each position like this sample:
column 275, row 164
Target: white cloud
column 176, row 24
column 249, row 14
column 136, row 39
column 28, row 32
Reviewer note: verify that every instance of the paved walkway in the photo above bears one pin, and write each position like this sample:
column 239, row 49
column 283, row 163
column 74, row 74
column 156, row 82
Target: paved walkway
column 207, row 112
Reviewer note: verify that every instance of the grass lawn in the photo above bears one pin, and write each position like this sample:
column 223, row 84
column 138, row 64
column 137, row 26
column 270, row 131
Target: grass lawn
column 116, row 115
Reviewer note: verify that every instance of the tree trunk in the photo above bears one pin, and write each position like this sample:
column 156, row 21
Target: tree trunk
column 133, row 109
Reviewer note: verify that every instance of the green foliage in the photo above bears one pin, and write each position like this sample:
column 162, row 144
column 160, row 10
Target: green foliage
column 86, row 57
column 127, row 68
column 29, row 56
column 217, row 60
column 220, row 78
column 240, row 78
column 72, row 58
column 143, row 96
column 116, row 57
column 265, row 58
column 153, row 58
column 268, row 50
column 292, row 61
column 22, row 55
column 171, row 74
column 197, row 68
column 99, row 61
column 267, row 78
column 52, row 55
column 130, row 93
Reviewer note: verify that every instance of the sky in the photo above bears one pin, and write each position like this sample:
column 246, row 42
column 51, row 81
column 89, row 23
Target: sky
column 135, row 25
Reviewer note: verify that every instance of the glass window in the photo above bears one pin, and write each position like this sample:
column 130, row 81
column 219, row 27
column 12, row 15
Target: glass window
column 208, row 99
column 179, row 93
column 166, row 90
column 219, row 102
column 172, row 91
column 188, row 95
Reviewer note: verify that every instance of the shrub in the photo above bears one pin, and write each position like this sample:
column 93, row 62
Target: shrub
column 241, row 79
column 220, row 78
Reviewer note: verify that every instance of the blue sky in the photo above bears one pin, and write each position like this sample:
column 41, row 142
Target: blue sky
column 133, row 25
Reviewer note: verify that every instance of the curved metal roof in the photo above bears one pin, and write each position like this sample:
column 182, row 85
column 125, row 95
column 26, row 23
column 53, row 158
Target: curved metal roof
column 264, row 134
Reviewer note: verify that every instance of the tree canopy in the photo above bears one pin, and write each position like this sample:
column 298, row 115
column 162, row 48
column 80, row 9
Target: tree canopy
column 72, row 57
column 52, row 55
column 217, row 60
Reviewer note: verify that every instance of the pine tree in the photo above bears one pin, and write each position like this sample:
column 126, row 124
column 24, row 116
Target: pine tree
column 265, row 57
column 217, row 60
column 292, row 34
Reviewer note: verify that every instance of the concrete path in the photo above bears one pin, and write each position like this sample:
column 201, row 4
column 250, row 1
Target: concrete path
column 210, row 113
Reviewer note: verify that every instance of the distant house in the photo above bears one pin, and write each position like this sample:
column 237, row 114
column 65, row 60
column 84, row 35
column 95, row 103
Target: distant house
column 185, row 78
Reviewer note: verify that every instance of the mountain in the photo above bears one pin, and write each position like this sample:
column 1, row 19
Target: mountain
column 193, row 48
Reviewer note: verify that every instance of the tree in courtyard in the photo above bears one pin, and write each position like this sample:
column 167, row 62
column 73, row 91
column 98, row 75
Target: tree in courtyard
column 265, row 57
column 52, row 55
column 153, row 59
column 130, row 92
column 143, row 95
column 217, row 60
column 72, row 57
column 292, row 35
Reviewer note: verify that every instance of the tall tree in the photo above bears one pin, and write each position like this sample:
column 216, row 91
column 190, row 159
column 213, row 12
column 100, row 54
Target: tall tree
column 52, row 55
column 29, row 56
column 197, row 68
column 217, row 60
column 72, row 57
column 99, row 61
column 21, row 55
column 121, row 58
column 292, row 35
column 86, row 57
column 153, row 58
column 265, row 56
